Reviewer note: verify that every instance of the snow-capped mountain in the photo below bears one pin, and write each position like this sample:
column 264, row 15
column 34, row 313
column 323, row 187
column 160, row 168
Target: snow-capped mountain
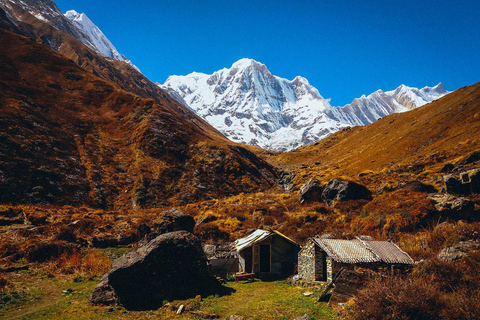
column 95, row 35
column 368, row 109
column 74, row 23
column 248, row 104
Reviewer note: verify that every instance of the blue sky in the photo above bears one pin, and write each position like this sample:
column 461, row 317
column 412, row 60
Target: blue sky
column 344, row 48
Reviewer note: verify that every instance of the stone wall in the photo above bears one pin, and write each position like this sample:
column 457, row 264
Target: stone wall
column 306, row 262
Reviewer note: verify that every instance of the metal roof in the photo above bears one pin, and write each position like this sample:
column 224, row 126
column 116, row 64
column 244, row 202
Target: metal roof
column 258, row 236
column 363, row 251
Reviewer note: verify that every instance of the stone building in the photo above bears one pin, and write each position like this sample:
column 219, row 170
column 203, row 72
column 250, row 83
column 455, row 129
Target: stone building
column 321, row 259
column 267, row 252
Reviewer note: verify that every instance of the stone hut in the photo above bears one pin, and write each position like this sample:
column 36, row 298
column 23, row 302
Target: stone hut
column 267, row 252
column 321, row 259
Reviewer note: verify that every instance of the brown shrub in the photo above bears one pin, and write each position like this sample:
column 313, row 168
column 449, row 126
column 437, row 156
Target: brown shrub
column 210, row 232
column 394, row 213
column 398, row 298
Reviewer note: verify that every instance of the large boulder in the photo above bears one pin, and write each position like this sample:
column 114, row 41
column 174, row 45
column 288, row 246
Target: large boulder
column 339, row 190
column 171, row 266
column 310, row 191
column 454, row 185
column 173, row 220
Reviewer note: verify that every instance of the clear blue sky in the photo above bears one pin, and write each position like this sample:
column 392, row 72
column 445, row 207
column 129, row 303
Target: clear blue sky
column 344, row 48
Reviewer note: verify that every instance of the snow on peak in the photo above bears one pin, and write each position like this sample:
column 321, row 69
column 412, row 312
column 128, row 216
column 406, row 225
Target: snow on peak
column 245, row 63
column 250, row 105
column 96, row 37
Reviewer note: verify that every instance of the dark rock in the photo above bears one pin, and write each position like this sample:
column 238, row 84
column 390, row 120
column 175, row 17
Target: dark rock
column 454, row 185
column 474, row 176
column 46, row 250
column 206, row 219
column 285, row 181
column 173, row 220
column 447, row 168
column 458, row 251
column 171, row 266
column 338, row 190
column 143, row 230
column 455, row 207
column 310, row 191
column 417, row 186
column 474, row 157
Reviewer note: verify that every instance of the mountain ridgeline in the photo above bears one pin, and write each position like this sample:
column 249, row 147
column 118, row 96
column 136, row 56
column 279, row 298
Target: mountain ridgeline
column 250, row 105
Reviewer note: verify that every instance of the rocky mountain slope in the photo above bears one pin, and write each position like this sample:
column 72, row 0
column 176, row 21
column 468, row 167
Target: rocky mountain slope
column 70, row 136
column 248, row 104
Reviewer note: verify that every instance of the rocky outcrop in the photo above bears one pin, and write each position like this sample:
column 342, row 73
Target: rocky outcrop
column 454, row 207
column 458, row 251
column 339, row 190
column 468, row 183
column 310, row 191
column 171, row 266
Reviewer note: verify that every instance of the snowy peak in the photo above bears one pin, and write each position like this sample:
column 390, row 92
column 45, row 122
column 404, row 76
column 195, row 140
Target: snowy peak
column 95, row 35
column 249, row 104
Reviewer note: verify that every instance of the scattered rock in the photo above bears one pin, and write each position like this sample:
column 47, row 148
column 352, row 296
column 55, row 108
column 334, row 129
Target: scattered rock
column 473, row 157
column 235, row 317
column 447, row 168
column 458, row 251
column 338, row 190
column 304, row 317
column 286, row 181
column 417, row 186
column 171, row 266
column 458, row 207
column 468, row 183
column 308, row 293
column 310, row 191
column 180, row 309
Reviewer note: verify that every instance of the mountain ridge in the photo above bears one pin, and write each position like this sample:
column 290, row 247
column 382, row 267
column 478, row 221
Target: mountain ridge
column 248, row 104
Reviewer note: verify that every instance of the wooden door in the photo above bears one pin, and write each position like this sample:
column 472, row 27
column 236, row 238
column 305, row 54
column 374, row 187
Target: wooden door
column 256, row 259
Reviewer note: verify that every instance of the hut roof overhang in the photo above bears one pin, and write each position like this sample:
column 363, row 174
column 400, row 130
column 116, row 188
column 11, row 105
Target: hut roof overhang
column 259, row 236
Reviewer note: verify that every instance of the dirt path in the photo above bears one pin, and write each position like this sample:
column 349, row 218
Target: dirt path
column 50, row 295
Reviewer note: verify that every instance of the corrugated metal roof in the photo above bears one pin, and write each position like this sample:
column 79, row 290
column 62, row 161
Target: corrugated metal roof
column 258, row 236
column 347, row 251
column 389, row 252
column 363, row 251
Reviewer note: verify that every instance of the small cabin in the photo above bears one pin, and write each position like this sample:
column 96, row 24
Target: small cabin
column 321, row 259
column 267, row 252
